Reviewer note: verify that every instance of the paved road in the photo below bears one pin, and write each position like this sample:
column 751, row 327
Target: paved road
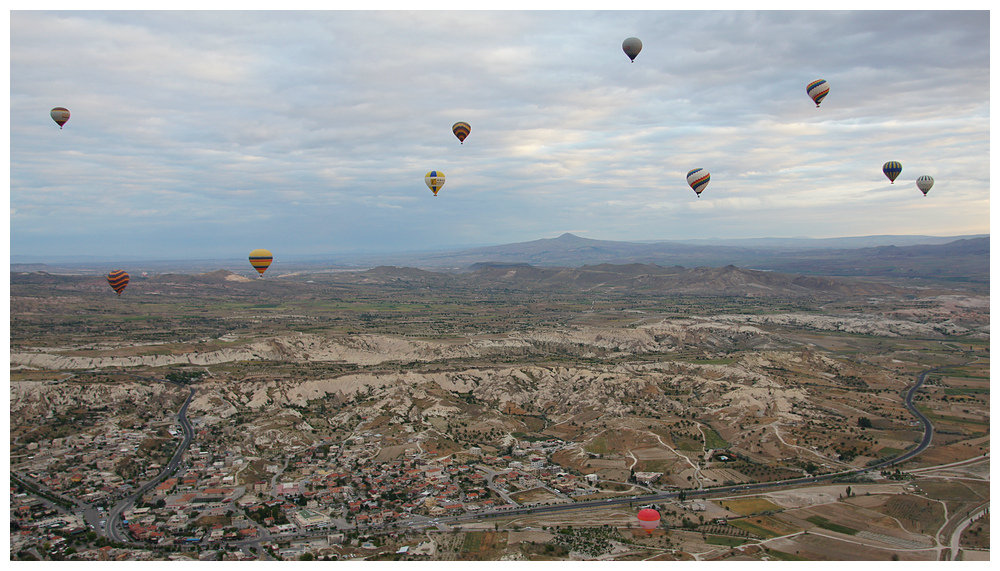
column 113, row 530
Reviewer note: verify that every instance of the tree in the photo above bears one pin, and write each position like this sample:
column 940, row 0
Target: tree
column 864, row 422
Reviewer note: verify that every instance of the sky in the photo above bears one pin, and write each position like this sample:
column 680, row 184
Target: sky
column 206, row 134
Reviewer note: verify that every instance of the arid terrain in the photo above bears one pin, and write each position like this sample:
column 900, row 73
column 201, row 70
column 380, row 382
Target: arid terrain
column 601, row 382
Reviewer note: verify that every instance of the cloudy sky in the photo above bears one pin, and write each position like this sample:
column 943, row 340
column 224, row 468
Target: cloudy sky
column 208, row 134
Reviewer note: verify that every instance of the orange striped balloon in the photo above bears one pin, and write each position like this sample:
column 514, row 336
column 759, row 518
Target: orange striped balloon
column 118, row 279
column 461, row 130
column 260, row 259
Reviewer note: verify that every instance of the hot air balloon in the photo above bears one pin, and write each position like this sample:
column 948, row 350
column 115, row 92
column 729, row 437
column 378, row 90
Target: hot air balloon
column 698, row 179
column 892, row 170
column 260, row 259
column 632, row 47
column 818, row 90
column 461, row 130
column 60, row 115
column 649, row 519
column 118, row 279
column 924, row 183
column 434, row 180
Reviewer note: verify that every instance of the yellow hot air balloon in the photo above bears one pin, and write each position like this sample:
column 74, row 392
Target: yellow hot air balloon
column 260, row 259
column 434, row 180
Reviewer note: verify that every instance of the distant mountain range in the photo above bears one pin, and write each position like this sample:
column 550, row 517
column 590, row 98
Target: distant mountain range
column 964, row 258
column 954, row 258
column 605, row 278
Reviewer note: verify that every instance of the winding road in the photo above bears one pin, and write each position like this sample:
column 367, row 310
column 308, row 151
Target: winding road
column 113, row 531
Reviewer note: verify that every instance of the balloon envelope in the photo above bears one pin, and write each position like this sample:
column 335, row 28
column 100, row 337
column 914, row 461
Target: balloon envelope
column 260, row 259
column 434, row 180
column 892, row 170
column 818, row 90
column 632, row 47
column 649, row 519
column 461, row 130
column 924, row 183
column 118, row 279
column 60, row 115
column 698, row 179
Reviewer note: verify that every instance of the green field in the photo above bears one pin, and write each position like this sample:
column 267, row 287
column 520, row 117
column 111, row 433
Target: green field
column 747, row 525
column 785, row 556
column 967, row 391
column 712, row 439
column 933, row 416
column 827, row 524
column 724, row 540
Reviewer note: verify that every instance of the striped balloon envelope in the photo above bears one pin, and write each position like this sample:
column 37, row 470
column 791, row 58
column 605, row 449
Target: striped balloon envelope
column 461, row 130
column 924, row 183
column 892, row 170
column 260, row 259
column 434, row 180
column 698, row 179
column 818, row 90
column 60, row 115
column 118, row 279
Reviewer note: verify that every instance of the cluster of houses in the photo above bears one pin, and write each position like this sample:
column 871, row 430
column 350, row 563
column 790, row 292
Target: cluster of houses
column 325, row 486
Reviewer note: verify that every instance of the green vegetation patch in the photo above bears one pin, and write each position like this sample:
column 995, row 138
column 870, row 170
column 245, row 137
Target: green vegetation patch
column 749, row 506
column 688, row 444
column 931, row 415
column 749, row 526
column 967, row 391
column 724, row 540
column 827, row 524
column 713, row 440
column 784, row 556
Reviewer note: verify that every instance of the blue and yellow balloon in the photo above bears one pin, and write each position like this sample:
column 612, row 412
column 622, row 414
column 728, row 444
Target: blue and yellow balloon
column 892, row 170
column 434, row 180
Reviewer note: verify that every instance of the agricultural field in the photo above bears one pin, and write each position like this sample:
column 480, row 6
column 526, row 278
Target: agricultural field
column 765, row 526
column 749, row 506
column 418, row 369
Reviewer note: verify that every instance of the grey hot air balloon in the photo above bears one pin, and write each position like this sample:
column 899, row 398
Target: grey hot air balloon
column 632, row 47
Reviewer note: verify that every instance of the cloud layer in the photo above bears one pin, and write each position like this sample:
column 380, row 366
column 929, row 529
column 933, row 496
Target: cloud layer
column 208, row 134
